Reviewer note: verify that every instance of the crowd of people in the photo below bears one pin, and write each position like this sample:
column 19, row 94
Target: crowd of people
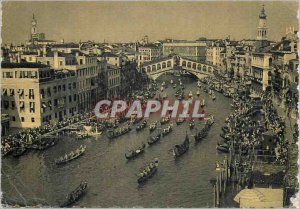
column 26, row 137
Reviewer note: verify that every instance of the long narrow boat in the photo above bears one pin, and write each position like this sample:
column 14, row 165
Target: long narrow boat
column 18, row 151
column 141, row 126
column 153, row 126
column 148, row 172
column 154, row 139
column 75, row 195
column 133, row 153
column 167, row 130
column 119, row 132
column 71, row 156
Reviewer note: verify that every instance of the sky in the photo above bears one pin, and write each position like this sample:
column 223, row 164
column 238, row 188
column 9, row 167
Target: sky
column 130, row 21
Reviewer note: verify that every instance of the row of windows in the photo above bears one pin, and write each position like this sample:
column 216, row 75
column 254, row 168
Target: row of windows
column 22, row 119
column 20, row 92
column 113, row 72
column 56, row 89
column 114, row 81
column 20, row 74
column 87, row 71
column 21, row 105
column 48, row 118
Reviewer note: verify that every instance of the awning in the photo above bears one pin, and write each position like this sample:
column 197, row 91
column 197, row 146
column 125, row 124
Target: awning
column 249, row 194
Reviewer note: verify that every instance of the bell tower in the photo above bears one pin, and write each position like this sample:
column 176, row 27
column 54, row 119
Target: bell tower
column 34, row 33
column 262, row 25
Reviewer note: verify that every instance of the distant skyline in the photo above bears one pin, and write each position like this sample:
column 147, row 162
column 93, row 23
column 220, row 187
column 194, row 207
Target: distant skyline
column 130, row 21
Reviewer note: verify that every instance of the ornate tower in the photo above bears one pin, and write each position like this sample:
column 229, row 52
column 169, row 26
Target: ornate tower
column 34, row 33
column 262, row 25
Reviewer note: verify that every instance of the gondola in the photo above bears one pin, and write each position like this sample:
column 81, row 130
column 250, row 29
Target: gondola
column 179, row 121
column 18, row 151
column 75, row 195
column 180, row 149
column 167, row 130
column 154, row 139
column 198, row 93
column 134, row 153
column 152, row 126
column 119, row 132
column 148, row 172
column 141, row 126
column 71, row 156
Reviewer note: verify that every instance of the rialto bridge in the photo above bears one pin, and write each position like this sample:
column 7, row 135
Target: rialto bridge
column 157, row 67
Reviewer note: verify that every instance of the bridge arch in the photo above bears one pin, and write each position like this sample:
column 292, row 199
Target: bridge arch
column 153, row 67
column 183, row 64
column 158, row 66
column 164, row 65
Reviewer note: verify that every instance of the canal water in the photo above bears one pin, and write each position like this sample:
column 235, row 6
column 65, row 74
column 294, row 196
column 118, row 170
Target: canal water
column 112, row 182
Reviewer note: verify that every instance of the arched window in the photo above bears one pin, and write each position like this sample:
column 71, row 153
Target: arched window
column 204, row 68
column 184, row 64
column 189, row 64
column 163, row 65
column 148, row 69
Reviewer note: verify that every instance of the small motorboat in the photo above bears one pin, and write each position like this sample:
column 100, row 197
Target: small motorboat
column 174, row 85
column 133, row 153
column 198, row 93
column 75, row 195
column 171, row 81
column 190, row 94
